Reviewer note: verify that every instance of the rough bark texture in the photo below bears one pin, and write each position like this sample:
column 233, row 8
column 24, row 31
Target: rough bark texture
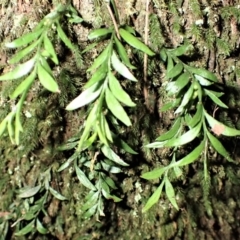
column 213, row 29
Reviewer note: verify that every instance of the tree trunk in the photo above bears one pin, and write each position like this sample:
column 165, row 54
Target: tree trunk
column 209, row 209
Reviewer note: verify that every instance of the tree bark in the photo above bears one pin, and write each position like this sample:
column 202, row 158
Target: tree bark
column 211, row 212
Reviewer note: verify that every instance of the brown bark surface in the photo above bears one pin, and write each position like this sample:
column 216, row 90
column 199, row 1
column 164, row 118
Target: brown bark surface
column 212, row 27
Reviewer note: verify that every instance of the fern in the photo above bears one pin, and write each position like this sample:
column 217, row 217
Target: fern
column 196, row 32
column 206, row 186
column 210, row 38
column 156, row 35
column 196, row 9
column 223, row 46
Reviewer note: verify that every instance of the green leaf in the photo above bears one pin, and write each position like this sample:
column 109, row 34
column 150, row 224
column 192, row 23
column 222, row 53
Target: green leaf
column 163, row 54
column 99, row 33
column 99, row 75
column 18, row 128
column 170, row 105
column 3, row 126
column 45, row 64
column 185, row 138
column 41, row 229
column 109, row 182
column 29, row 192
column 67, row 146
column 106, row 128
column 20, row 71
column 170, row 193
column 17, row 134
column 83, row 178
column 86, row 97
column 90, row 212
column 100, row 209
column 171, row 88
column 40, row 24
column 225, row 130
column 179, row 51
column 91, row 200
column 176, row 86
column 130, row 29
column 90, row 196
column 110, row 168
column 198, row 91
column 215, row 99
column 53, row 15
column 116, row 108
column 72, row 10
column 24, row 85
column 25, row 39
column 176, row 127
column 110, row 154
column 67, row 163
column 101, row 58
column 167, row 106
column 134, row 42
column 75, row 19
column 197, row 116
column 123, row 53
column 87, row 143
column 175, row 71
column 115, row 9
column 156, row 173
column 182, row 81
column 203, row 73
column 186, row 98
column 217, row 94
column 100, row 131
column 121, row 68
column 64, row 37
column 154, row 198
column 44, row 53
column 89, row 123
column 27, row 229
column 108, row 196
column 202, row 80
column 217, row 145
column 155, row 144
column 191, row 157
column 90, row 47
column 57, row 194
column 50, row 49
column 47, row 80
column 103, row 185
column 10, row 128
column 178, row 171
column 188, row 118
column 106, row 192
column 126, row 147
column 30, row 215
column 23, row 53
column 118, row 91
column 170, row 64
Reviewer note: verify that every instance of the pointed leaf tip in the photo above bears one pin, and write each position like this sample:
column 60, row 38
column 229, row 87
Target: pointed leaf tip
column 135, row 42
column 116, row 108
column 121, row 68
column 86, row 97
column 47, row 80
column 20, row 71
